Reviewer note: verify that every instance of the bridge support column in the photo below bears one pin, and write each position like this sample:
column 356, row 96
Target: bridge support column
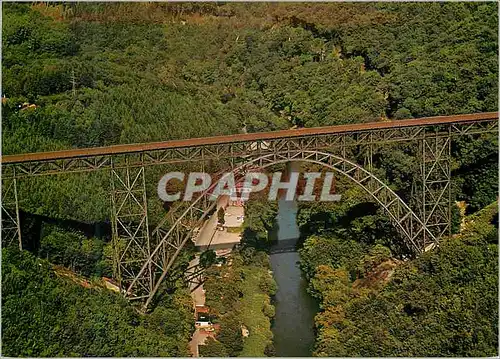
column 435, row 182
column 368, row 153
column 131, row 240
column 11, row 224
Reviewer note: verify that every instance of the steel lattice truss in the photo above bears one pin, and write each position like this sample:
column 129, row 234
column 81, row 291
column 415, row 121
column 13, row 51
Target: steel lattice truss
column 436, row 185
column 11, row 224
column 406, row 221
column 336, row 142
column 145, row 256
column 129, row 219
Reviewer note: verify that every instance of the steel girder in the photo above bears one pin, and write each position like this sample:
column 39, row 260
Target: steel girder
column 11, row 224
column 130, row 227
column 435, row 169
column 172, row 233
column 194, row 276
column 240, row 149
column 144, row 259
column 412, row 229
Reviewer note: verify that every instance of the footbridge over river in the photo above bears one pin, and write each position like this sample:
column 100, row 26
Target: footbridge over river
column 145, row 254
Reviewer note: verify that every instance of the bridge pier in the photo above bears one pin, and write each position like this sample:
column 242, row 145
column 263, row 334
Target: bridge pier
column 141, row 264
column 11, row 223
column 130, row 225
column 435, row 182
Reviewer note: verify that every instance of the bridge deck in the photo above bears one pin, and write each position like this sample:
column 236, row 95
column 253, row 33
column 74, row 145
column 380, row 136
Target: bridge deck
column 194, row 142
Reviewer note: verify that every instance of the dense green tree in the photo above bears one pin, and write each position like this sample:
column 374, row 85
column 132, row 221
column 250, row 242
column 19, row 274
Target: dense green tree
column 230, row 334
column 259, row 227
column 238, row 295
column 220, row 216
column 102, row 73
column 39, row 312
column 212, row 348
column 331, row 251
column 75, row 252
column 443, row 303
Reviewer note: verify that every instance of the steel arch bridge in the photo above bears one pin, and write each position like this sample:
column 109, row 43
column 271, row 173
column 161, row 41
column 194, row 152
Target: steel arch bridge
column 144, row 256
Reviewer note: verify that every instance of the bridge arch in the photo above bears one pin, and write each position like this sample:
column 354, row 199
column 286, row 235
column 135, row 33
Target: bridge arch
column 408, row 224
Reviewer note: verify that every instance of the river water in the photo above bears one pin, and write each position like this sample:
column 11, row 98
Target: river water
column 293, row 325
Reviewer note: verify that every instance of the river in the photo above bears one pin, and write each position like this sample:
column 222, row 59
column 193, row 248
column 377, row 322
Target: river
column 293, row 325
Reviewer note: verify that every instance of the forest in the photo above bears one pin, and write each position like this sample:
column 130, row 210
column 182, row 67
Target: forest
column 442, row 304
column 46, row 315
column 79, row 74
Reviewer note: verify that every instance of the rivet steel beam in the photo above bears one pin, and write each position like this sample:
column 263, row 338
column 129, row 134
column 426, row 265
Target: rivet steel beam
column 143, row 258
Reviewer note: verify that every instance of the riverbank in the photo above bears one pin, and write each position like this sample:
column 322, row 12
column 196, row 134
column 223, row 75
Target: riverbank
column 442, row 303
column 239, row 297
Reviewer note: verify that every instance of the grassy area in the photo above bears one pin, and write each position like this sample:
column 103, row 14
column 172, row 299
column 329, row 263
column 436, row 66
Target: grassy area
column 256, row 305
column 239, row 296
column 234, row 229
